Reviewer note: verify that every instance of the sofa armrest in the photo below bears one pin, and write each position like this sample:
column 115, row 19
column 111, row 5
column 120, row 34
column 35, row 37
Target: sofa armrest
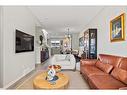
column 88, row 61
column 72, row 60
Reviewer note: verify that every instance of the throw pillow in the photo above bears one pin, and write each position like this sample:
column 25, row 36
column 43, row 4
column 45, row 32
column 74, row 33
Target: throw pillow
column 104, row 67
column 120, row 74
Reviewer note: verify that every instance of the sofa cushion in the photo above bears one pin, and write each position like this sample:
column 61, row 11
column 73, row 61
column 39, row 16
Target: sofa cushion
column 110, row 59
column 88, row 61
column 120, row 74
column 59, row 57
column 63, row 63
column 105, row 82
column 104, row 67
column 91, row 70
column 123, row 64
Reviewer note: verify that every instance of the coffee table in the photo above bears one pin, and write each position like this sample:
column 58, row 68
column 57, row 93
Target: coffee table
column 39, row 81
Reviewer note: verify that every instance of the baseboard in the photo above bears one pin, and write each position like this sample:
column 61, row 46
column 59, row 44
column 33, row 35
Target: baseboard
column 13, row 82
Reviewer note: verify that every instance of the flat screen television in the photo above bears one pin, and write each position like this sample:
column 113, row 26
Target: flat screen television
column 24, row 42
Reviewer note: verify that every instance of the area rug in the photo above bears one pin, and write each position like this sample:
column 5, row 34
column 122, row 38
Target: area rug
column 76, row 81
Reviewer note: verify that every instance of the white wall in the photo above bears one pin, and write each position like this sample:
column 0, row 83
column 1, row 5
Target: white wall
column 16, row 65
column 1, row 53
column 45, row 34
column 38, row 47
column 75, row 41
column 102, row 23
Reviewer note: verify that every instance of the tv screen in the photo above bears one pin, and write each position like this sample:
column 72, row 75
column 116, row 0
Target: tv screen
column 24, row 42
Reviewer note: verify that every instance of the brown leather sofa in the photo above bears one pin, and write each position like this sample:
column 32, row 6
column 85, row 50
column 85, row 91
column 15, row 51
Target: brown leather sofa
column 108, row 72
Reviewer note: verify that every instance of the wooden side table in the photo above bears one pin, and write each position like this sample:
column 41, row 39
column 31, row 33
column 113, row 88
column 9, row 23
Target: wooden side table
column 40, row 83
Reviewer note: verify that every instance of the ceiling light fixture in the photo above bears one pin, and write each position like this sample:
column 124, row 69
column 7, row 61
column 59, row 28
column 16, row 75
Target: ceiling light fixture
column 68, row 34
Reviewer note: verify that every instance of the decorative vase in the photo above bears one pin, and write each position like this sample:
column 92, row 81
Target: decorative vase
column 51, row 74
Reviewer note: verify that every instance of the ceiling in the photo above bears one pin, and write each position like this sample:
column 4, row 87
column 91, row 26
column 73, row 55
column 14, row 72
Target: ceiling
column 57, row 19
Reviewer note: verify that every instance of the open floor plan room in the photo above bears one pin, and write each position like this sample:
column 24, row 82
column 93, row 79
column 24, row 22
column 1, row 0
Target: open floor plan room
column 63, row 47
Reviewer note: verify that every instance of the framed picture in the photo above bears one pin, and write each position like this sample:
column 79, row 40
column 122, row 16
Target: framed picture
column 117, row 32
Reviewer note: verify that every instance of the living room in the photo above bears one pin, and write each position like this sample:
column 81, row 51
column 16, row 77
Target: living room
column 17, row 67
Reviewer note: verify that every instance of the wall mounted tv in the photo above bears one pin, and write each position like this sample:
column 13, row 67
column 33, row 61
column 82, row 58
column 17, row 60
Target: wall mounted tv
column 24, row 42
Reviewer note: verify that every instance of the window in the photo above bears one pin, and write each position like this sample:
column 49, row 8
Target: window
column 55, row 43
